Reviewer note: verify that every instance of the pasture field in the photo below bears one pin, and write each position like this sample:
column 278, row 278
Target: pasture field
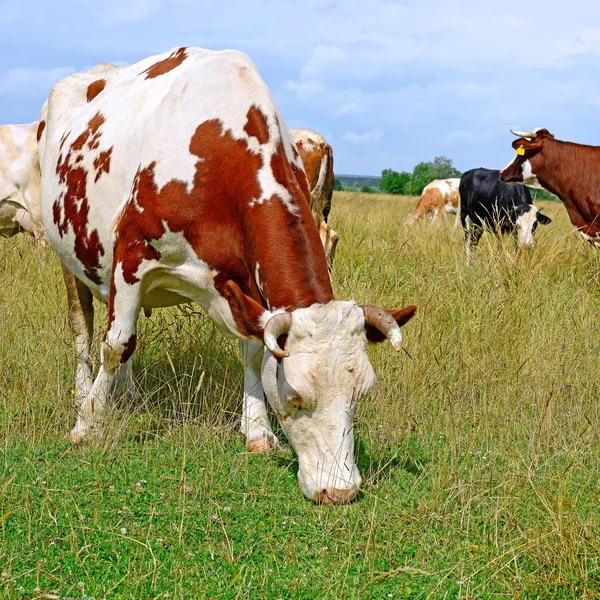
column 479, row 446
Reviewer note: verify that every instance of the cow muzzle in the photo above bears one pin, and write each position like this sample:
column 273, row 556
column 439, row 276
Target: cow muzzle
column 333, row 496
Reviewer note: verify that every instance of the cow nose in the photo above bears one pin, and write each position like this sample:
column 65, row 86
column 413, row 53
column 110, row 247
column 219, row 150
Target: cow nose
column 333, row 496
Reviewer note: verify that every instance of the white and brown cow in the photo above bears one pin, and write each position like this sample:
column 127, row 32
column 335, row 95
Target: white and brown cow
column 317, row 158
column 440, row 197
column 175, row 180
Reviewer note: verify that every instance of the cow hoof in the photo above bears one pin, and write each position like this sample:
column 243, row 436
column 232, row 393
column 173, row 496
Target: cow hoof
column 267, row 444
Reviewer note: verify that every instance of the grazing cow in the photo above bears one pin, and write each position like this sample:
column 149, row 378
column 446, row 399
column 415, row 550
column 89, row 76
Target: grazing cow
column 317, row 158
column 571, row 171
column 174, row 180
column 439, row 197
column 487, row 202
column 20, row 181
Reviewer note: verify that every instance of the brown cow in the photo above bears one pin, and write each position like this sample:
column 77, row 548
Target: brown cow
column 317, row 158
column 571, row 171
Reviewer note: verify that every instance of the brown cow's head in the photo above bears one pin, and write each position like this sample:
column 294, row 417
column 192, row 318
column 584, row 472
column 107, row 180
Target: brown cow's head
column 529, row 158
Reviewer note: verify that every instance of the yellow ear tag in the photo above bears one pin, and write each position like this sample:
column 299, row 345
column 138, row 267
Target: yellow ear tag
column 521, row 151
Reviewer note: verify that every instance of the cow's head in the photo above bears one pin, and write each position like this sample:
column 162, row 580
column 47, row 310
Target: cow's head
column 528, row 217
column 529, row 158
column 314, row 382
column 314, row 371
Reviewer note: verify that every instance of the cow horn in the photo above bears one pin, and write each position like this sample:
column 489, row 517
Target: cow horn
column 276, row 326
column 530, row 135
column 381, row 319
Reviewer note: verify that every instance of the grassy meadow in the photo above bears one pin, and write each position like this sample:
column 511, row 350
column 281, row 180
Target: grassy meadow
column 479, row 446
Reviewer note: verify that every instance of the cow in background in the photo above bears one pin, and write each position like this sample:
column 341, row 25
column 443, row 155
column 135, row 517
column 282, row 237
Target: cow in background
column 569, row 170
column 20, row 208
column 317, row 158
column 174, row 180
column 488, row 203
column 440, row 197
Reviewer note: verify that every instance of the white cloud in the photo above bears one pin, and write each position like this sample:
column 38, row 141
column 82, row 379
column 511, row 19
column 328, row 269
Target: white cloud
column 462, row 136
column 590, row 34
column 321, row 58
column 347, row 109
column 28, row 81
column 362, row 138
column 137, row 10
column 304, row 89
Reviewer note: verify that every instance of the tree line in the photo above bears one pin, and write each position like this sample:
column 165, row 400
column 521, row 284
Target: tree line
column 412, row 184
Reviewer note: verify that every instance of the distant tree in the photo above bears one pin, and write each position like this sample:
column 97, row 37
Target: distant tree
column 394, row 182
column 443, row 168
column 337, row 185
column 367, row 189
column 425, row 172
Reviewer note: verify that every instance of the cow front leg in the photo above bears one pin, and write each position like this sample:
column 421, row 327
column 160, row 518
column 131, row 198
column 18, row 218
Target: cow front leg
column 255, row 421
column 117, row 348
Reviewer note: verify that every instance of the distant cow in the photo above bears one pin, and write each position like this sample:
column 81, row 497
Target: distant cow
column 317, row 158
column 176, row 180
column 487, row 202
column 440, row 197
column 571, row 171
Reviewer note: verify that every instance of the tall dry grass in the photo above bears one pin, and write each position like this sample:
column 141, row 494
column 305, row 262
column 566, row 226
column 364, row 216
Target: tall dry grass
column 478, row 446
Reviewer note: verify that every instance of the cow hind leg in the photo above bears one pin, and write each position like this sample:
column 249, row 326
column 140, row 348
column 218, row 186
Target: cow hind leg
column 81, row 323
column 117, row 348
column 255, row 422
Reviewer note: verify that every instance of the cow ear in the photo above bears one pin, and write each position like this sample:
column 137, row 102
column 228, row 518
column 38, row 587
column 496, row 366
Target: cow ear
column 528, row 146
column 543, row 219
column 246, row 311
column 401, row 316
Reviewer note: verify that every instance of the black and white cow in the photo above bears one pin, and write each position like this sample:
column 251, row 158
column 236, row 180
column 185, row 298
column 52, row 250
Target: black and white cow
column 488, row 203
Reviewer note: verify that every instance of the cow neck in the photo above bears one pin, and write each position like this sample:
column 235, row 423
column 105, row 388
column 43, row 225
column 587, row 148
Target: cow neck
column 571, row 172
column 286, row 255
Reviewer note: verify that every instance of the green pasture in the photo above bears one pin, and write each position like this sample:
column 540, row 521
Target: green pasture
column 479, row 446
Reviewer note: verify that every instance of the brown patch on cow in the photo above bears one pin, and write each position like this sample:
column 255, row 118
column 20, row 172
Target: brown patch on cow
column 95, row 88
column 129, row 348
column 246, row 311
column 72, row 208
column 90, row 134
column 102, row 163
column 166, row 65
column 221, row 220
column 431, row 201
column 257, row 125
column 40, row 129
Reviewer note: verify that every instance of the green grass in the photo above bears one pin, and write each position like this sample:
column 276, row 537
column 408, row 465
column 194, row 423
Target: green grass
column 479, row 446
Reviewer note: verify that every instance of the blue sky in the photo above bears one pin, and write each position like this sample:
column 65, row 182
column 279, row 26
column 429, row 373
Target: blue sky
column 387, row 83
